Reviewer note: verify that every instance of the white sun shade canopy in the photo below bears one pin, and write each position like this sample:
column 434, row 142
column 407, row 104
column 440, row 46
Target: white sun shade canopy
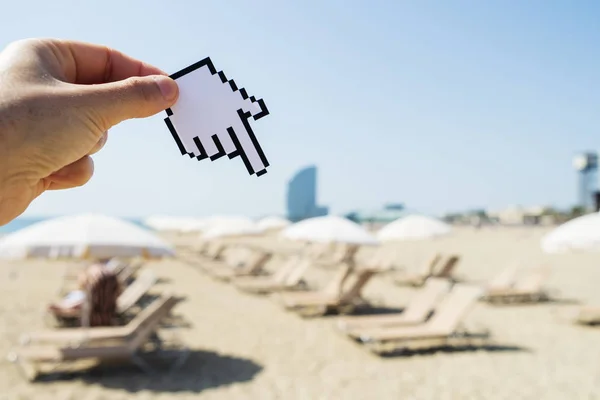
column 174, row 223
column 83, row 236
column 269, row 223
column 581, row 234
column 230, row 226
column 413, row 227
column 329, row 229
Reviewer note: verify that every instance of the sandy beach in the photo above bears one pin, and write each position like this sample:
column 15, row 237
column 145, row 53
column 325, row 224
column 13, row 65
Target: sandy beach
column 245, row 346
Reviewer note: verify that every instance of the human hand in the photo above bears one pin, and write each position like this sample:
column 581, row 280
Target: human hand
column 57, row 101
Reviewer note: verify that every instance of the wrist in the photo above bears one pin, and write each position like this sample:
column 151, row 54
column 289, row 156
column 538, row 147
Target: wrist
column 7, row 166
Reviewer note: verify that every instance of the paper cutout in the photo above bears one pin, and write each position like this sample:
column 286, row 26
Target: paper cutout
column 211, row 118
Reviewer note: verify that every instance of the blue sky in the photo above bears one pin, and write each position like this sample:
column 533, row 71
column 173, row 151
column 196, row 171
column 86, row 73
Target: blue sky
column 440, row 105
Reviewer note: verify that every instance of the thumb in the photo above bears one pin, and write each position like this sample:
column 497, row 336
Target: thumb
column 135, row 97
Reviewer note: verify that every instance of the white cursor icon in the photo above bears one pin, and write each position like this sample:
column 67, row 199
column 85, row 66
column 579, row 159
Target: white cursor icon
column 211, row 118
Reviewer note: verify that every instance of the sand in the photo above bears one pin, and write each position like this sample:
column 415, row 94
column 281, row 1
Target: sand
column 244, row 346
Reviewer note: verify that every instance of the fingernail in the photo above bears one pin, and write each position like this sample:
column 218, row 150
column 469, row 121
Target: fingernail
column 168, row 87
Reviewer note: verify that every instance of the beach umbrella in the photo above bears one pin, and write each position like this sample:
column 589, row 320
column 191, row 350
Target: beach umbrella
column 413, row 227
column 329, row 229
column 196, row 225
column 272, row 223
column 230, row 226
column 170, row 223
column 83, row 236
column 579, row 234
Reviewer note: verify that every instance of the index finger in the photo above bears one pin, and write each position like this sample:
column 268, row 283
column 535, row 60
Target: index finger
column 86, row 63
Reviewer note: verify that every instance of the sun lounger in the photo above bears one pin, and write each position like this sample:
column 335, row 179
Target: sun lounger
column 504, row 280
column 337, row 256
column 446, row 268
column 529, row 288
column 417, row 279
column 381, row 258
column 588, row 315
column 416, row 312
column 334, row 298
column 123, row 269
column 102, row 343
column 215, row 251
column 442, row 329
column 70, row 314
column 134, row 292
column 287, row 277
column 250, row 266
column 127, row 271
column 97, row 301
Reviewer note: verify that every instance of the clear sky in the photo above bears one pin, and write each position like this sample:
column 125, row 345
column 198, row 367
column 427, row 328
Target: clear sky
column 440, row 105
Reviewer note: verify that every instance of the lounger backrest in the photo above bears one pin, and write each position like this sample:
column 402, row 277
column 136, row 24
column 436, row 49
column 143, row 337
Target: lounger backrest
column 387, row 261
column 215, row 250
column 208, row 248
column 256, row 261
column 505, row 278
column 333, row 287
column 337, row 256
column 152, row 310
column 323, row 251
column 235, row 256
column 376, row 259
column 452, row 309
column 283, row 271
column 354, row 289
column 533, row 280
column 296, row 274
column 425, row 300
column 115, row 265
column 135, row 291
column 428, row 267
column 149, row 319
column 446, row 268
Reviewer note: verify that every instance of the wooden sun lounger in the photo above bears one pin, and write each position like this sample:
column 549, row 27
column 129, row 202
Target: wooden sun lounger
column 417, row 279
column 529, row 288
column 443, row 329
column 118, row 343
column 251, row 266
column 335, row 257
column 215, row 250
column 588, row 315
column 342, row 300
column 82, row 334
column 386, row 260
column 129, row 270
column 126, row 300
column 504, row 280
column 122, row 268
column 447, row 268
column 416, row 312
column 134, row 292
column 287, row 277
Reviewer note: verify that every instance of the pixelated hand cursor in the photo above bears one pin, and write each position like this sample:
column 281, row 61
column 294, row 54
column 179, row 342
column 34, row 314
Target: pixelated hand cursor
column 211, row 118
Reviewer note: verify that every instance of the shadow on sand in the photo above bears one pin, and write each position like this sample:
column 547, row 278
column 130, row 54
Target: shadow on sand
column 202, row 370
column 456, row 349
column 550, row 301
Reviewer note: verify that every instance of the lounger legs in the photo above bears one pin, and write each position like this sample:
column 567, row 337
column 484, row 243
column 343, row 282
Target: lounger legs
column 26, row 369
column 312, row 311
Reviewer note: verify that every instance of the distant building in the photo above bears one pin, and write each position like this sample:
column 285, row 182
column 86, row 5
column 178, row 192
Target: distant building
column 517, row 215
column 302, row 196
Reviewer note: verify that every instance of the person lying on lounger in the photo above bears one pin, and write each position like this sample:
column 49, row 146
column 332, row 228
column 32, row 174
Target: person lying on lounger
column 103, row 288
